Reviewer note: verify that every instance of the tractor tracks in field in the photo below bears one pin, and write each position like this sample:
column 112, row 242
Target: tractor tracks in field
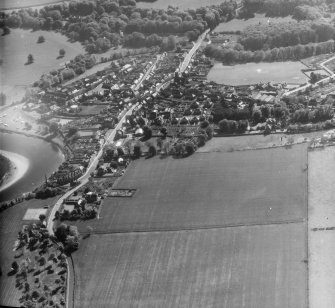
column 196, row 228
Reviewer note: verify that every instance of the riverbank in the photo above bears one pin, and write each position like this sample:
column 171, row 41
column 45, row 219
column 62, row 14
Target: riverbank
column 19, row 165
column 4, row 166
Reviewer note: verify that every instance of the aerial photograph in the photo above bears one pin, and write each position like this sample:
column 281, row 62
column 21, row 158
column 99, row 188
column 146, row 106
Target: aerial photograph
column 167, row 153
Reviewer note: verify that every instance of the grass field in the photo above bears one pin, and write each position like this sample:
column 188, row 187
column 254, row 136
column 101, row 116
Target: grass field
column 91, row 110
column 321, row 199
column 206, row 190
column 14, row 52
column 10, row 224
column 252, row 73
column 258, row 266
column 241, row 24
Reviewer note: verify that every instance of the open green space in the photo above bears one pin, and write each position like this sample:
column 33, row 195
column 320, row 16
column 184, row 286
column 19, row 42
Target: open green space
column 10, row 224
column 209, row 190
column 20, row 43
column 241, row 24
column 253, row 73
column 257, row 266
column 90, row 110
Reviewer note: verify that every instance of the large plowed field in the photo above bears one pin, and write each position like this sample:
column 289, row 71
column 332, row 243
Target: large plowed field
column 212, row 230
column 210, row 190
column 257, row 266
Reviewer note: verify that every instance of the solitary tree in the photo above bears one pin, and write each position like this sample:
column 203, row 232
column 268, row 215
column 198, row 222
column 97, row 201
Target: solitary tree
column 30, row 58
column 42, row 217
column 61, row 52
column 40, row 39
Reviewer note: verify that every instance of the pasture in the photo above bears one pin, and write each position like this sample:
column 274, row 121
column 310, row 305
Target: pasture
column 240, row 24
column 257, row 266
column 14, row 52
column 10, row 224
column 209, row 190
column 253, row 73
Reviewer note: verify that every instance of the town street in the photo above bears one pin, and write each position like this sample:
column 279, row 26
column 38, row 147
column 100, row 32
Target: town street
column 191, row 53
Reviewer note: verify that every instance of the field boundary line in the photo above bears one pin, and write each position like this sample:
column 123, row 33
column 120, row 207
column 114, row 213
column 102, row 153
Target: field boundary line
column 213, row 227
column 307, row 229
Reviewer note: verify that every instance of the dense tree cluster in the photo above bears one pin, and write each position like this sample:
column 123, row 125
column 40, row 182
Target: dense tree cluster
column 136, row 40
column 69, row 236
column 278, row 7
column 74, row 67
column 319, row 114
column 101, row 24
column 230, row 55
column 283, row 34
column 222, row 111
column 231, row 126
column 304, row 12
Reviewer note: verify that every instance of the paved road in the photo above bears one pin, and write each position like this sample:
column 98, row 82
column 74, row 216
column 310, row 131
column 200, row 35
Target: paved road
column 159, row 57
column 84, row 178
column 191, row 53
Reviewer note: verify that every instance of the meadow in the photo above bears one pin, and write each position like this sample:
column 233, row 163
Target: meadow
column 14, row 52
column 257, row 266
column 253, row 73
column 240, row 24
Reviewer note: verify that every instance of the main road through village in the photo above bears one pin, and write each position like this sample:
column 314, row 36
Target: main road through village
column 84, row 178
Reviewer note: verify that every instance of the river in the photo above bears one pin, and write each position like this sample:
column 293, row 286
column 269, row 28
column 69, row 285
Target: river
column 44, row 159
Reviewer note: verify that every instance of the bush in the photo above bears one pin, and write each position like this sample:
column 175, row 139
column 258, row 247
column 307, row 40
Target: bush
column 40, row 39
column 189, row 148
column 202, row 140
column 228, row 126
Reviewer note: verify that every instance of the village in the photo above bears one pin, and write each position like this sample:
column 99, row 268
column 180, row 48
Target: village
column 173, row 111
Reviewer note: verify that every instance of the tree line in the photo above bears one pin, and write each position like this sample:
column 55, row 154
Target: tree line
column 283, row 34
column 230, row 55
column 102, row 23
column 279, row 7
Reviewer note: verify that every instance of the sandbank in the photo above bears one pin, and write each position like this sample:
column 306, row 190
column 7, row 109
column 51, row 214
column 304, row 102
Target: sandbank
column 19, row 167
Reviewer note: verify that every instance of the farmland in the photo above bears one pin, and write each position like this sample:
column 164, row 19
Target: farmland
column 267, row 186
column 10, row 224
column 258, row 266
column 208, row 234
column 321, row 198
